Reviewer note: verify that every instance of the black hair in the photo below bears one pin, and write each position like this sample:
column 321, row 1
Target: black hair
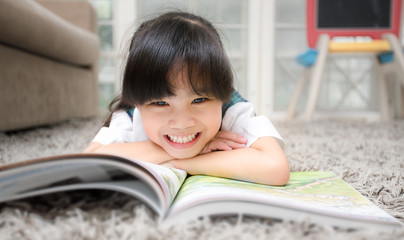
column 163, row 47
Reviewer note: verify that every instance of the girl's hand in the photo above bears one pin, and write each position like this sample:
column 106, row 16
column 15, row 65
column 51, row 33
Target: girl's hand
column 225, row 141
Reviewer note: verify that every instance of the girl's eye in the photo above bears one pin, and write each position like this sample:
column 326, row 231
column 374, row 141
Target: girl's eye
column 160, row 103
column 199, row 100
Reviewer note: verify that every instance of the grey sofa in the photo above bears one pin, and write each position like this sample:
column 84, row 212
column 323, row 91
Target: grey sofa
column 48, row 62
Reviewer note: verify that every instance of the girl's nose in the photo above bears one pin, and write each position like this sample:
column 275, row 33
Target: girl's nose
column 181, row 120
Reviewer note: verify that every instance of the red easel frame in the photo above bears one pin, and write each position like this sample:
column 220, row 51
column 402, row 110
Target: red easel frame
column 313, row 32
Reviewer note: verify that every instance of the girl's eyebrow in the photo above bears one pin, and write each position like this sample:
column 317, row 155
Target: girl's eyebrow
column 198, row 93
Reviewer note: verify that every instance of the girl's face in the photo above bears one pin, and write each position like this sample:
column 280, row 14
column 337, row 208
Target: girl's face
column 184, row 123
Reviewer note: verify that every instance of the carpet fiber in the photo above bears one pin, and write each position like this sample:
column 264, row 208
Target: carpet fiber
column 369, row 156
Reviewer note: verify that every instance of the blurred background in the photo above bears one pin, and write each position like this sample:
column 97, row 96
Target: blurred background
column 262, row 39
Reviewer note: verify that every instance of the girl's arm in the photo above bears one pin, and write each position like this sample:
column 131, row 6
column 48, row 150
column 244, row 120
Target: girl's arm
column 263, row 162
column 150, row 152
column 145, row 150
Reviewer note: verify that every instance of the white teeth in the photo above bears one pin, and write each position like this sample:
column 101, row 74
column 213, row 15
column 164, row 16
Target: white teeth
column 184, row 139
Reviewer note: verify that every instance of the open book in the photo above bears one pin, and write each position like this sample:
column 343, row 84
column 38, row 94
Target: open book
column 318, row 196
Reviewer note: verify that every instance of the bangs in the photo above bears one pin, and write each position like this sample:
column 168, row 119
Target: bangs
column 168, row 46
column 200, row 79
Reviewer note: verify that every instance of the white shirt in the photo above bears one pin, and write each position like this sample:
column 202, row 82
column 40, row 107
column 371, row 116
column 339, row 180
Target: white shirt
column 239, row 118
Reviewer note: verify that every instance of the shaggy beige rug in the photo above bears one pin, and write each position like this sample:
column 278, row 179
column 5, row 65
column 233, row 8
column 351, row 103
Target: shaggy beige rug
column 369, row 156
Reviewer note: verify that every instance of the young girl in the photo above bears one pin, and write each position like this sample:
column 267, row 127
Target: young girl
column 178, row 107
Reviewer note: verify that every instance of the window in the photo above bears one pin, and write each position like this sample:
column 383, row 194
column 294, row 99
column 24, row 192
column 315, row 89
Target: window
column 107, row 61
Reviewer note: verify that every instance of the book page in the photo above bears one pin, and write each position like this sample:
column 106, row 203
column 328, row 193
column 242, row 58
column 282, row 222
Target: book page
column 316, row 192
column 170, row 179
column 155, row 185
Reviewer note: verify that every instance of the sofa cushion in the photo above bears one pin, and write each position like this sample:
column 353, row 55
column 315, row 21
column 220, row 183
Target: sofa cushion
column 37, row 91
column 80, row 13
column 26, row 25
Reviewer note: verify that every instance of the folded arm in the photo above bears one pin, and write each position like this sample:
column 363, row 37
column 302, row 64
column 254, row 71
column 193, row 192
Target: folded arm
column 225, row 156
column 264, row 162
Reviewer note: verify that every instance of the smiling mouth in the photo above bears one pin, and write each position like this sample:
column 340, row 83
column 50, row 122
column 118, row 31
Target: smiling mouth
column 182, row 139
